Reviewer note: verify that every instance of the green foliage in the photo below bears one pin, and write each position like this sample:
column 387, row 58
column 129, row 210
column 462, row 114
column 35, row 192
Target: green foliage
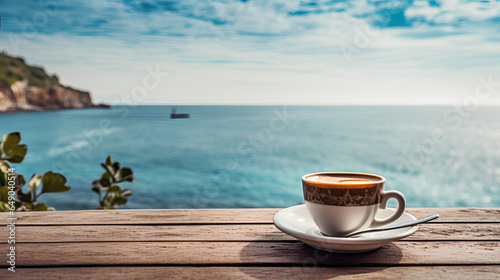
column 13, row 152
column 55, row 79
column 13, row 69
column 113, row 194
column 37, row 76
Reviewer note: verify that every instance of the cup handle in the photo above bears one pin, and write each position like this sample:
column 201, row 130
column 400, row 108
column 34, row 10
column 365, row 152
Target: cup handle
column 383, row 203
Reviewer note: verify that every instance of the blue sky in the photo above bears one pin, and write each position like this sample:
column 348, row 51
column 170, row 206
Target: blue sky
column 262, row 52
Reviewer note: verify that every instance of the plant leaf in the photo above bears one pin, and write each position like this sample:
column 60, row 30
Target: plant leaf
column 10, row 141
column 4, row 207
column 109, row 169
column 116, row 189
column 127, row 175
column 109, row 161
column 24, row 197
column 104, row 182
column 126, row 192
column 4, row 194
column 106, row 176
column 20, row 181
column 96, row 188
column 98, row 184
column 121, row 201
column 41, row 207
column 16, row 154
column 4, row 171
column 116, row 170
column 54, row 182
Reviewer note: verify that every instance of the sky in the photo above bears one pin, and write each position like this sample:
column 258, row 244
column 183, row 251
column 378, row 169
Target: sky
column 261, row 52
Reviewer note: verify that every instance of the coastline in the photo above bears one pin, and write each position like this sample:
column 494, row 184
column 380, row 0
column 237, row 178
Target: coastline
column 41, row 109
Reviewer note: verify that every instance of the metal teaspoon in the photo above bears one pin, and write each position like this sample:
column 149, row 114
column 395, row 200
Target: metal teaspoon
column 401, row 225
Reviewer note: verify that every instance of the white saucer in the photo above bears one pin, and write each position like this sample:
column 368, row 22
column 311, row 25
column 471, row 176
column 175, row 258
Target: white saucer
column 296, row 222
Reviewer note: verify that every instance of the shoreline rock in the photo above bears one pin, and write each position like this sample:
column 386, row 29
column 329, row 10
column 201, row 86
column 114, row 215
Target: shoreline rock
column 19, row 94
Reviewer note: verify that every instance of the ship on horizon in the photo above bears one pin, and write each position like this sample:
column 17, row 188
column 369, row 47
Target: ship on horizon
column 175, row 115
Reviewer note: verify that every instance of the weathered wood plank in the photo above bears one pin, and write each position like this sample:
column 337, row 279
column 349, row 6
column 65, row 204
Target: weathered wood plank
column 199, row 253
column 144, row 216
column 242, row 232
column 230, row 273
column 218, row 216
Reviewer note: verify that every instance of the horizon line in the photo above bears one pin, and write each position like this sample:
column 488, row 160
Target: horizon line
column 298, row 105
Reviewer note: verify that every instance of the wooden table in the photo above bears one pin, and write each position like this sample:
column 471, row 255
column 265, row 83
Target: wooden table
column 464, row 243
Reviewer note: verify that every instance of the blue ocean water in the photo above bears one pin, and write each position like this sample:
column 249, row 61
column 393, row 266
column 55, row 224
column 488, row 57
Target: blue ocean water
column 255, row 156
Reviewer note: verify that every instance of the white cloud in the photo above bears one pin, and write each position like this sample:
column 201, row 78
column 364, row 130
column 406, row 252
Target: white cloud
column 452, row 11
column 422, row 9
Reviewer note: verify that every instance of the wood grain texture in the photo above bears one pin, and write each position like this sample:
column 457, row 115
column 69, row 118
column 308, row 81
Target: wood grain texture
column 240, row 244
column 275, row 253
column 219, row 216
column 231, row 232
column 231, row 273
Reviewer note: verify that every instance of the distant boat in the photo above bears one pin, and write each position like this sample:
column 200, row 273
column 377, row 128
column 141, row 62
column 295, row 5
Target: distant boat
column 175, row 115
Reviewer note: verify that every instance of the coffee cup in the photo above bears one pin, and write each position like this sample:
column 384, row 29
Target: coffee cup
column 344, row 202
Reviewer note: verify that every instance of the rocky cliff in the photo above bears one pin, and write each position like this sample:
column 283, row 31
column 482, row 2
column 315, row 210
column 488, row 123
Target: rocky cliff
column 29, row 88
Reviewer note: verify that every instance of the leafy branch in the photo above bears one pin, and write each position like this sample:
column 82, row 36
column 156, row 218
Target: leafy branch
column 112, row 194
column 10, row 181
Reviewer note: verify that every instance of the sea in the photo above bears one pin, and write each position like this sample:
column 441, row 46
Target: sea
column 255, row 156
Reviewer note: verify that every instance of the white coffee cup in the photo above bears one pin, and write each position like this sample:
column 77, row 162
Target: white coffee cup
column 344, row 202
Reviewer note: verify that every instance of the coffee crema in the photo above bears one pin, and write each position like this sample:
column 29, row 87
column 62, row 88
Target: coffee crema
column 342, row 180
